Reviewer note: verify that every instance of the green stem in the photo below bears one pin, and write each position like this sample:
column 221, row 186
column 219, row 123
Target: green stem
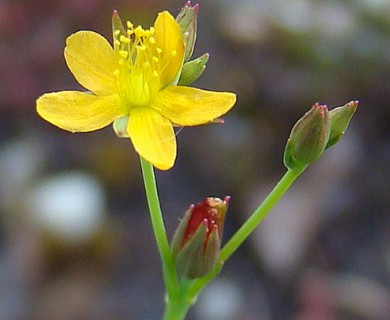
column 169, row 271
column 247, row 228
column 259, row 214
column 175, row 311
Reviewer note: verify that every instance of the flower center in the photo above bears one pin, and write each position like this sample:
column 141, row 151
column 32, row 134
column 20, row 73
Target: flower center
column 139, row 72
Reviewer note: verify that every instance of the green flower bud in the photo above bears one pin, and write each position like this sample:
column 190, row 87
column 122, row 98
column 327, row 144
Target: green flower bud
column 339, row 119
column 193, row 69
column 308, row 138
column 197, row 241
column 117, row 25
column 120, row 127
column 187, row 20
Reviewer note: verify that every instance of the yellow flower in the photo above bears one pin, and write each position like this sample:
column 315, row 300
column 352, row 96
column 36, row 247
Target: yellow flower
column 136, row 78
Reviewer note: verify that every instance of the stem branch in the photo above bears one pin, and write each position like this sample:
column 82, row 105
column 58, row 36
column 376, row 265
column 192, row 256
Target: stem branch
column 247, row 228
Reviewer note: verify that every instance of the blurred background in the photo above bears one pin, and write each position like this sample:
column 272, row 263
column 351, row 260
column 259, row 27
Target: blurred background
column 75, row 237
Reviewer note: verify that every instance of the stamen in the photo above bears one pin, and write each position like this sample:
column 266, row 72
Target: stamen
column 124, row 39
column 124, row 54
column 173, row 53
column 138, row 31
column 129, row 25
column 138, row 53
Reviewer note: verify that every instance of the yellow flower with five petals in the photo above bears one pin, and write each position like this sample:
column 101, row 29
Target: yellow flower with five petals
column 136, row 79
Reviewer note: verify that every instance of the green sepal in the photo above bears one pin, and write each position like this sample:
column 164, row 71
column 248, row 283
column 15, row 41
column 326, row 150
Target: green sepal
column 193, row 69
column 189, row 260
column 178, row 236
column 211, row 252
column 340, row 118
column 199, row 255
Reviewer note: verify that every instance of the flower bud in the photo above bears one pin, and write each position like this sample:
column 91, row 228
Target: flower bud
column 193, row 69
column 117, row 25
column 120, row 127
column 197, row 241
column 339, row 119
column 187, row 20
column 308, row 138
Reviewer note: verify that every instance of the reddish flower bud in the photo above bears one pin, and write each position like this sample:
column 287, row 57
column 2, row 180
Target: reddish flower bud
column 187, row 20
column 197, row 241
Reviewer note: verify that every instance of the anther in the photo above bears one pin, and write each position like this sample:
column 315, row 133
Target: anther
column 138, row 31
column 124, row 39
column 124, row 54
column 117, row 32
column 173, row 53
column 129, row 25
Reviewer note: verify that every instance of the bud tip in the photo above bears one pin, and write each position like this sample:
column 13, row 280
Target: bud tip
column 218, row 121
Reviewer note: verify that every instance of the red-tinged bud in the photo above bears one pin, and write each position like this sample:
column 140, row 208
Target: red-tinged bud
column 339, row 119
column 197, row 241
column 187, row 20
column 117, row 29
column 308, row 138
column 218, row 121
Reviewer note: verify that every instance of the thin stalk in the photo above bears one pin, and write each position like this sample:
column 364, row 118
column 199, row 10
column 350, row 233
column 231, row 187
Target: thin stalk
column 169, row 271
column 259, row 214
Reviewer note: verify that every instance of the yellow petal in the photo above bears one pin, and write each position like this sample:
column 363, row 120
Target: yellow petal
column 92, row 61
column 169, row 40
column 153, row 137
column 188, row 106
column 79, row 112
